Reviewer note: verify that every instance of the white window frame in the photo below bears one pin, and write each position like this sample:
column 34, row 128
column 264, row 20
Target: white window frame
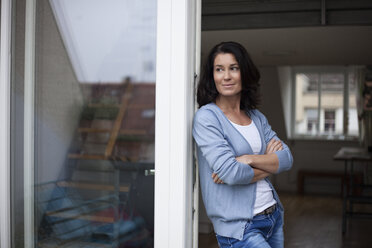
column 321, row 69
column 5, row 76
column 176, row 188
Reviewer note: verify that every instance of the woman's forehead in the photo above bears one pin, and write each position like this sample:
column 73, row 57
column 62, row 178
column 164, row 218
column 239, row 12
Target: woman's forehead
column 225, row 59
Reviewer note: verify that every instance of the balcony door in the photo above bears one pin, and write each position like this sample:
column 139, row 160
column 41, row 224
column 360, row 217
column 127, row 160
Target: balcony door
column 99, row 96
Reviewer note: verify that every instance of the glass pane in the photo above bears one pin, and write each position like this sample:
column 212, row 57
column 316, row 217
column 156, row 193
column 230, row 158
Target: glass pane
column 17, row 127
column 307, row 103
column 94, row 124
column 332, row 102
column 352, row 127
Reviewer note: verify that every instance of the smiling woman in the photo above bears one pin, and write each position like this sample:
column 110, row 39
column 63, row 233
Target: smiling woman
column 226, row 75
column 237, row 151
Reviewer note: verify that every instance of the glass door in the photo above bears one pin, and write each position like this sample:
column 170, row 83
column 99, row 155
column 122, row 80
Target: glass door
column 83, row 123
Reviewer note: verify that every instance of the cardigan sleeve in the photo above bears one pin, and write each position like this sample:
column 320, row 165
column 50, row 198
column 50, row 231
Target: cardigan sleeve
column 285, row 155
column 209, row 137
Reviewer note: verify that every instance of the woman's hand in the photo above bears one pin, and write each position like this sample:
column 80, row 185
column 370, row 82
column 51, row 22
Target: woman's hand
column 273, row 146
column 242, row 159
column 216, row 179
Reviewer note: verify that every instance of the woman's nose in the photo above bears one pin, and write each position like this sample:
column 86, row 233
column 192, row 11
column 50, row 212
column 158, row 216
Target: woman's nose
column 227, row 75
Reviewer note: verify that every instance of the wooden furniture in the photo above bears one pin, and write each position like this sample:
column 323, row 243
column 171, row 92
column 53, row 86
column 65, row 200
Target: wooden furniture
column 344, row 179
column 302, row 174
column 350, row 155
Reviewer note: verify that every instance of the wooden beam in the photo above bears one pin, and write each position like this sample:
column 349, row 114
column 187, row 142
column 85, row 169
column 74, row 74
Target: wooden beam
column 88, row 156
column 106, row 219
column 131, row 106
column 92, row 186
column 106, row 130
column 119, row 119
column 101, row 157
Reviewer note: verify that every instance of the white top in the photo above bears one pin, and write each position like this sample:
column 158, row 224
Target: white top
column 264, row 195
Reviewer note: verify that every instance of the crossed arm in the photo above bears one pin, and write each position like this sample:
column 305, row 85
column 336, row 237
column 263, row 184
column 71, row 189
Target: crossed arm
column 263, row 165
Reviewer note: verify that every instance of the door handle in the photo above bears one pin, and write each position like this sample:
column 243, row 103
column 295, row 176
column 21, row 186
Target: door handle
column 150, row 172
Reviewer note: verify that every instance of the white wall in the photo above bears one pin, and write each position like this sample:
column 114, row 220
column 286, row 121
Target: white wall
column 285, row 80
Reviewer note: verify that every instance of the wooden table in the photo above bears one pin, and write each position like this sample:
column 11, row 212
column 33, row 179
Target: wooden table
column 349, row 155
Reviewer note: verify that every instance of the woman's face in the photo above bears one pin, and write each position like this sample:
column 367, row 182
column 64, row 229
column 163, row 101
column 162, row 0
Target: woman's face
column 226, row 74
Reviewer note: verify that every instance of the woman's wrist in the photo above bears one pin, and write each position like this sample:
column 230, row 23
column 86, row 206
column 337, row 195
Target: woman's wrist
column 249, row 159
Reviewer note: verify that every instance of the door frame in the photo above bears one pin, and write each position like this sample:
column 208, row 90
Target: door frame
column 178, row 43
column 5, row 76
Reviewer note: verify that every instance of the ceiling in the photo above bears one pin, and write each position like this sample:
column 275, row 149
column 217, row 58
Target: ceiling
column 329, row 45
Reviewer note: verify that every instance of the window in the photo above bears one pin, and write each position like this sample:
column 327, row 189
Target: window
column 312, row 120
column 329, row 121
column 324, row 102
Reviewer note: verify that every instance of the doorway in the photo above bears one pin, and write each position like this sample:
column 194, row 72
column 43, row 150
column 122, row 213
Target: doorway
column 283, row 37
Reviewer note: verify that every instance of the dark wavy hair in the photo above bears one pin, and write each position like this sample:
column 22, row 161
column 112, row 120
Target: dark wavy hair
column 249, row 74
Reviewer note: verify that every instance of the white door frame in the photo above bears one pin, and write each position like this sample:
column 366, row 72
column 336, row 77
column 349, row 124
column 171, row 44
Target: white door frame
column 5, row 76
column 176, row 62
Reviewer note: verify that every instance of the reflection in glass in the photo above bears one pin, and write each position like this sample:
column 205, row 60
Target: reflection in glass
column 94, row 123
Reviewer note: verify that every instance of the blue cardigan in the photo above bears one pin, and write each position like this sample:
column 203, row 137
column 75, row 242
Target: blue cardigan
column 230, row 206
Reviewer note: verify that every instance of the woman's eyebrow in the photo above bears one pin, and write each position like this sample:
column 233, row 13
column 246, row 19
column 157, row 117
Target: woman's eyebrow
column 230, row 65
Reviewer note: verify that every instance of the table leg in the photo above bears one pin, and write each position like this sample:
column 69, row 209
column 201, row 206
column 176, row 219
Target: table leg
column 351, row 186
column 344, row 207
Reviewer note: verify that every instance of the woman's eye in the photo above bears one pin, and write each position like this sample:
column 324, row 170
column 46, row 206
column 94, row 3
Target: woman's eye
column 234, row 68
column 218, row 69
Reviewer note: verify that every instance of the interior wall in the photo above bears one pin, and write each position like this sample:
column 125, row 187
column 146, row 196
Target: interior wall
column 285, row 81
column 271, row 100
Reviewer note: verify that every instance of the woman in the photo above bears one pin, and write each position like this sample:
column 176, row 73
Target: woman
column 237, row 151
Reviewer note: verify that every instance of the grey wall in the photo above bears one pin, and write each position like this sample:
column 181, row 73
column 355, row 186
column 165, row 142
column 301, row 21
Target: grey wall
column 58, row 98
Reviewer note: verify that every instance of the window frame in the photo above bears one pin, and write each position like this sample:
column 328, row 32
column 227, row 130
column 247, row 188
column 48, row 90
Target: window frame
column 345, row 70
column 5, row 78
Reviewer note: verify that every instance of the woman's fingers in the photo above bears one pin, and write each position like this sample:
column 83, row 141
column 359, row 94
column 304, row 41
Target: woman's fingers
column 273, row 146
column 268, row 147
column 216, row 179
column 214, row 175
column 277, row 146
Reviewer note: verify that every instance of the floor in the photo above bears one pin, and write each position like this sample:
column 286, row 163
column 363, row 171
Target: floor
column 315, row 221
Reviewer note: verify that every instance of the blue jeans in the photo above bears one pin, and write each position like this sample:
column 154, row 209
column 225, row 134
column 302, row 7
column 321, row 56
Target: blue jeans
column 263, row 231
